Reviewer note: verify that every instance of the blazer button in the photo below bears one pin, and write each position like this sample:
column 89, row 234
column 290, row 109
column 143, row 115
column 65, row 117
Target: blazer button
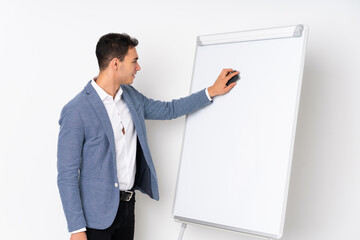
column 116, row 185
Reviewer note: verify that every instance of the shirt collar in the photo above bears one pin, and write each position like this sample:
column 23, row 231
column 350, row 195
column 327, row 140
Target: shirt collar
column 104, row 96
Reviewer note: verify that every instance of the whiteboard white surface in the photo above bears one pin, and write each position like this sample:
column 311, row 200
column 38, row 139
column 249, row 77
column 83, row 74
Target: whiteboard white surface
column 236, row 157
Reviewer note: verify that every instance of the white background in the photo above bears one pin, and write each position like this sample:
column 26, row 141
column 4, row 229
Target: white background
column 47, row 56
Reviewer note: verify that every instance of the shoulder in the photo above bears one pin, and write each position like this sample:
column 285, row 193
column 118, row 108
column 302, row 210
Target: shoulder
column 129, row 89
column 73, row 107
column 75, row 102
column 132, row 92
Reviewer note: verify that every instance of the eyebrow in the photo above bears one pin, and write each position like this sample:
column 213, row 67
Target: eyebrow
column 135, row 59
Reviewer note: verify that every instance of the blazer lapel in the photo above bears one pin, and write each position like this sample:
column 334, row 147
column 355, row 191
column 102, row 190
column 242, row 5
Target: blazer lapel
column 138, row 126
column 134, row 115
column 100, row 110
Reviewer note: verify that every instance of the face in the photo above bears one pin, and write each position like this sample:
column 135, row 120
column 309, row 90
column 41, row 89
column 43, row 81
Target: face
column 126, row 70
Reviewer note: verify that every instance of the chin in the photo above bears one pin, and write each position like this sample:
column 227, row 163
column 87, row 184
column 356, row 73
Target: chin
column 128, row 82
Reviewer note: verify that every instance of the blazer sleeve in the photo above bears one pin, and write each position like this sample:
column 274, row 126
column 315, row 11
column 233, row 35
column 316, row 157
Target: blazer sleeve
column 159, row 110
column 70, row 143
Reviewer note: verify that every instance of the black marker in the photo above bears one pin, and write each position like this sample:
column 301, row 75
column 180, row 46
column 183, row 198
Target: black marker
column 233, row 79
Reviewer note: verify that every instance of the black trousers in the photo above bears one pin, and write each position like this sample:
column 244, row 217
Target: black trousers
column 123, row 226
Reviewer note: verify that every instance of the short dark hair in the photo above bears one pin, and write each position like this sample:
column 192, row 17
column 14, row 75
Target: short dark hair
column 113, row 45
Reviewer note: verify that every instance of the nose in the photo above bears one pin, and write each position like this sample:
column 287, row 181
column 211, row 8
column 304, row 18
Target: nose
column 138, row 68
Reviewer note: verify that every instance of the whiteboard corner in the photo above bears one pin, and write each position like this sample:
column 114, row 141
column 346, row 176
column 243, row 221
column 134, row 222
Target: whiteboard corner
column 300, row 30
column 199, row 42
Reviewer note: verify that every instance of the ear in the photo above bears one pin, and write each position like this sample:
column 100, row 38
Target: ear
column 115, row 64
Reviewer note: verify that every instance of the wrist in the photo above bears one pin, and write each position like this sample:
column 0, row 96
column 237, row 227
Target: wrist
column 211, row 92
column 78, row 236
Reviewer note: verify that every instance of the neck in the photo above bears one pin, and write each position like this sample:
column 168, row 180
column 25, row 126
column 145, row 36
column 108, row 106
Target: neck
column 107, row 84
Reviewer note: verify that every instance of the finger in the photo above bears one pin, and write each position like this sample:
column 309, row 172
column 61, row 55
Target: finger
column 228, row 77
column 228, row 88
column 233, row 74
column 226, row 70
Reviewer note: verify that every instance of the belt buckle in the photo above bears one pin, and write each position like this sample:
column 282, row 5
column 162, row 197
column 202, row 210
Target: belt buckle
column 129, row 195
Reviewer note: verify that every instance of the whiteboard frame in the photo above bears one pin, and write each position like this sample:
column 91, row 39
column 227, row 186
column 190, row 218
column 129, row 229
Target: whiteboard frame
column 299, row 30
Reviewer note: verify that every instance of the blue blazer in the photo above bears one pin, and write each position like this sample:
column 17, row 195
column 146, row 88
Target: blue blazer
column 87, row 177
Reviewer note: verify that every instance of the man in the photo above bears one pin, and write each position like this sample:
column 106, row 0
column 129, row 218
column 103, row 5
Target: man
column 103, row 154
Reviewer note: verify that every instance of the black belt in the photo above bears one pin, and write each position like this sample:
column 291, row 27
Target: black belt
column 126, row 195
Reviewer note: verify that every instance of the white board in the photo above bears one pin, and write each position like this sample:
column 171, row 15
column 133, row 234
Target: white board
column 236, row 157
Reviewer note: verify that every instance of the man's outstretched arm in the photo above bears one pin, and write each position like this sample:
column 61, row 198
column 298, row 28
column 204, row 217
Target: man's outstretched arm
column 160, row 110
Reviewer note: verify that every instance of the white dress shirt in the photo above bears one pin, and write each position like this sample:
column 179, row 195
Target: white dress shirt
column 124, row 135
